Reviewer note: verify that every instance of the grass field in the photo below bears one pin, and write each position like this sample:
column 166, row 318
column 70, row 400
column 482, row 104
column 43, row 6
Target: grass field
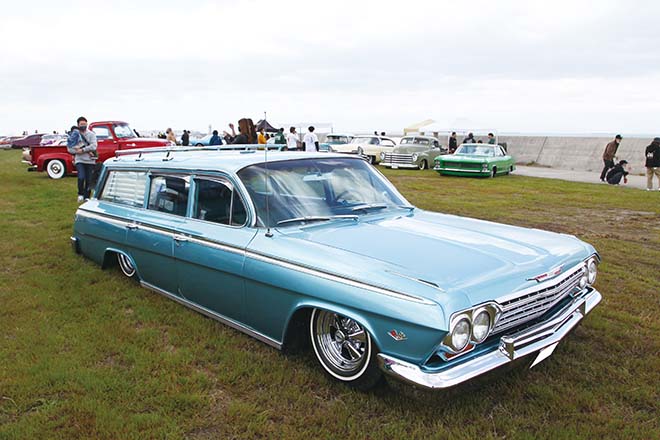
column 85, row 353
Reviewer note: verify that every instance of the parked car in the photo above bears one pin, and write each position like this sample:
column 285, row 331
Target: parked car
column 368, row 146
column 320, row 246
column 476, row 160
column 335, row 139
column 27, row 141
column 110, row 135
column 53, row 139
column 413, row 152
column 204, row 141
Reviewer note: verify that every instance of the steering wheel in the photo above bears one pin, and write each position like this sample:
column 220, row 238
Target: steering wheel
column 342, row 195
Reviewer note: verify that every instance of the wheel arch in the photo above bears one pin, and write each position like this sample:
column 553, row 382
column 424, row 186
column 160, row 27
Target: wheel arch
column 110, row 259
column 42, row 161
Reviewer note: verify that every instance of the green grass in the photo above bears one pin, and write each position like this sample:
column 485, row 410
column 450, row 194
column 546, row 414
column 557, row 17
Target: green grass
column 84, row 353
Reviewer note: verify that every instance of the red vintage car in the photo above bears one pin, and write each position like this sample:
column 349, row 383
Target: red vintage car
column 110, row 135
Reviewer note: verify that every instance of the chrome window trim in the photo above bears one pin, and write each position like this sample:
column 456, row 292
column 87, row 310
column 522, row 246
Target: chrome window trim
column 266, row 258
column 223, row 180
column 218, row 317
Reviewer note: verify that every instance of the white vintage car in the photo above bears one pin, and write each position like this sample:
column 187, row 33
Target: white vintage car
column 370, row 146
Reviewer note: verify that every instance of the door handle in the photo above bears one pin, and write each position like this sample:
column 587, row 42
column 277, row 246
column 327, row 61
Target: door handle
column 132, row 226
column 180, row 238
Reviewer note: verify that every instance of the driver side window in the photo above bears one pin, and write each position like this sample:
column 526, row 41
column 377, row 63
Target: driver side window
column 102, row 132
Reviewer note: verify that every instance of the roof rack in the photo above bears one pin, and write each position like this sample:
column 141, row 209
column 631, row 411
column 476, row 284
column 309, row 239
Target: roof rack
column 169, row 150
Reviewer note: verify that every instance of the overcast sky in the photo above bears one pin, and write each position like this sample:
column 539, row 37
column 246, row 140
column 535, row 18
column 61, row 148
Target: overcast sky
column 518, row 66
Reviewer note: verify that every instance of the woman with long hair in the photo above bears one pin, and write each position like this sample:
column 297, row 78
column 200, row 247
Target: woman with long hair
column 247, row 133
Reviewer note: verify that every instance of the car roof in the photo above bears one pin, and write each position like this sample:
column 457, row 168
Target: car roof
column 230, row 161
column 340, row 134
column 109, row 122
column 419, row 136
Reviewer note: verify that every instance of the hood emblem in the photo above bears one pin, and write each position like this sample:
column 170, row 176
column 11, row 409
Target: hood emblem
column 549, row 274
column 397, row 335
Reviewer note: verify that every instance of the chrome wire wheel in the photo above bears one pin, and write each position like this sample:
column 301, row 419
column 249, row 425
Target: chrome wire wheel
column 126, row 265
column 342, row 346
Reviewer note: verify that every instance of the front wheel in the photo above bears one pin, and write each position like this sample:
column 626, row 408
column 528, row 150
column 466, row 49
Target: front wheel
column 55, row 169
column 493, row 172
column 422, row 164
column 344, row 349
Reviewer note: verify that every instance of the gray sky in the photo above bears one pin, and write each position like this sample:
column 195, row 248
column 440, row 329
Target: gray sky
column 522, row 66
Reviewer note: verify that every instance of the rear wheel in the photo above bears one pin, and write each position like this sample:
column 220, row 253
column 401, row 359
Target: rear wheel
column 55, row 169
column 344, row 349
column 126, row 265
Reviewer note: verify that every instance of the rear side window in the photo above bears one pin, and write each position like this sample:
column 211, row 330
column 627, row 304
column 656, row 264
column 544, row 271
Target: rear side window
column 169, row 194
column 217, row 202
column 125, row 187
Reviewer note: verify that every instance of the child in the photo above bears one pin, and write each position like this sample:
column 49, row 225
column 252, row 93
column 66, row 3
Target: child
column 73, row 139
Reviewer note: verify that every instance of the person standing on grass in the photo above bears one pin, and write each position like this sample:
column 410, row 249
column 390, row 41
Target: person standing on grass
column 82, row 144
column 608, row 156
column 653, row 163
column 280, row 139
column 170, row 136
column 311, row 141
column 261, row 137
column 453, row 142
column 215, row 139
column 185, row 138
column 292, row 139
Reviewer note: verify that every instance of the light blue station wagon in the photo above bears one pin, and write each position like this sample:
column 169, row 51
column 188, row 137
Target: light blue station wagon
column 321, row 248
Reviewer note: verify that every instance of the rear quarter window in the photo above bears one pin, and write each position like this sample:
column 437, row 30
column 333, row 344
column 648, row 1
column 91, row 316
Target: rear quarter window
column 125, row 188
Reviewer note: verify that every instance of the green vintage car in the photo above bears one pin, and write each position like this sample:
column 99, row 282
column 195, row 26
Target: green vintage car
column 476, row 160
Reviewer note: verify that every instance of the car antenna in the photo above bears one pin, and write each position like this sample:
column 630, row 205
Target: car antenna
column 268, row 232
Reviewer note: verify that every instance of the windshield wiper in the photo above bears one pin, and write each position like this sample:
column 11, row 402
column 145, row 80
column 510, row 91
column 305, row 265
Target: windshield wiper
column 316, row 219
column 368, row 206
column 410, row 207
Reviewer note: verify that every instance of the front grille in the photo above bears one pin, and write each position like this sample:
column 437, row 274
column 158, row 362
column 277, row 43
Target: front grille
column 395, row 158
column 534, row 304
column 467, row 166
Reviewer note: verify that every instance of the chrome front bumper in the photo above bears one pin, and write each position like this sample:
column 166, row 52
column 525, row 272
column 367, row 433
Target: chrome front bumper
column 398, row 165
column 513, row 346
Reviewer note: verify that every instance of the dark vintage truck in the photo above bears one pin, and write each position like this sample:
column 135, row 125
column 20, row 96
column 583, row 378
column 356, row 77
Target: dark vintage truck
column 110, row 135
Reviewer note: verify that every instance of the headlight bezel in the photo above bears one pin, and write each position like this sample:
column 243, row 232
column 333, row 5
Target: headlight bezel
column 491, row 308
column 591, row 267
column 415, row 156
column 382, row 155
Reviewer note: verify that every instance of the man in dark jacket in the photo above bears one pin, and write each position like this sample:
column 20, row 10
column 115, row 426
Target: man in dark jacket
column 185, row 138
column 617, row 172
column 608, row 156
column 469, row 139
column 452, row 142
column 215, row 139
column 653, row 163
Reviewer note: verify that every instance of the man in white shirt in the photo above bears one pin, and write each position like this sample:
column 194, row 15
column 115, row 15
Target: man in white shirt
column 310, row 141
column 292, row 139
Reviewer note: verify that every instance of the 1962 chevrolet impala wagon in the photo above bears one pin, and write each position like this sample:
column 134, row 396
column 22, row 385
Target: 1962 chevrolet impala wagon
column 323, row 246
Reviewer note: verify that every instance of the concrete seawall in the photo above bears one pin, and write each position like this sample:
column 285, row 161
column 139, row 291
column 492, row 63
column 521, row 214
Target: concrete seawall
column 573, row 153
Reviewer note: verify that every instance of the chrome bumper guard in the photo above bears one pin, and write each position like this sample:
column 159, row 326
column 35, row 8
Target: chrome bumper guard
column 399, row 165
column 74, row 245
column 512, row 347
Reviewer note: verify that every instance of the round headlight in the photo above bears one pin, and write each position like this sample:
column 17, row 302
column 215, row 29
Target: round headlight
column 460, row 336
column 584, row 281
column 414, row 157
column 382, row 156
column 484, row 167
column 592, row 271
column 480, row 326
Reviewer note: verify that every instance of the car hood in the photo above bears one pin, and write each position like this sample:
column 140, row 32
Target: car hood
column 468, row 260
column 466, row 159
column 411, row 149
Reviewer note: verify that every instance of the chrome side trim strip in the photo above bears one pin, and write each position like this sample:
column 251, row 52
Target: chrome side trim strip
column 273, row 260
column 467, row 170
column 511, row 348
column 339, row 279
column 211, row 314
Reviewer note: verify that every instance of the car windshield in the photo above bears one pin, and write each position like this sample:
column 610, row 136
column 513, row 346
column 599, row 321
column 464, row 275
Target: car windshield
column 476, row 150
column 317, row 189
column 416, row 141
column 363, row 140
column 124, row 131
column 337, row 140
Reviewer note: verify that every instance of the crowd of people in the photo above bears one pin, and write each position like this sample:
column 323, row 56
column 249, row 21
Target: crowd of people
column 614, row 172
